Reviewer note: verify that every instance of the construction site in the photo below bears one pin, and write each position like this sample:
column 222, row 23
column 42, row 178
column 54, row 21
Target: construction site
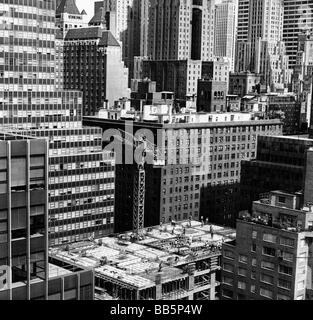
column 175, row 261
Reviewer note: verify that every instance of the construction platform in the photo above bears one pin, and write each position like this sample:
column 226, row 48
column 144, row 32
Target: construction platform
column 170, row 261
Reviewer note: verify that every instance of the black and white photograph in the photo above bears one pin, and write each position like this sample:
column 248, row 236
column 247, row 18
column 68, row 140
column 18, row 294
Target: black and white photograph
column 155, row 155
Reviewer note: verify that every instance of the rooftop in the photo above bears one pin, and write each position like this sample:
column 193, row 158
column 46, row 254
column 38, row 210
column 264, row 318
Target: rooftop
column 160, row 252
column 67, row 6
column 93, row 33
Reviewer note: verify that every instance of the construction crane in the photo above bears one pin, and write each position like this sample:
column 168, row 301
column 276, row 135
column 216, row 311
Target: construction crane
column 140, row 177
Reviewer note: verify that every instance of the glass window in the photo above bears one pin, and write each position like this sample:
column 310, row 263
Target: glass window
column 267, row 265
column 243, row 258
column 285, row 270
column 266, row 293
column 269, row 237
column 267, row 278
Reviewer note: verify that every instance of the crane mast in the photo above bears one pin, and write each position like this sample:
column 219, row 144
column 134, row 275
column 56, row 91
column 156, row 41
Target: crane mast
column 140, row 180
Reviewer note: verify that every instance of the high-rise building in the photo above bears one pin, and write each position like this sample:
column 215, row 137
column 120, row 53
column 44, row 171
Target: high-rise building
column 303, row 76
column 181, row 29
column 298, row 18
column 27, row 273
column 181, row 76
column 128, row 22
column 184, row 187
column 279, row 165
column 225, row 30
column 271, row 257
column 93, row 64
column 264, row 52
column 81, row 177
column 243, row 20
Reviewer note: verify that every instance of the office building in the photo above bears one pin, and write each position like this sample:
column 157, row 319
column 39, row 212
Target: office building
column 181, row 77
column 81, row 178
column 270, row 259
column 93, row 64
column 202, row 174
column 298, row 18
column 28, row 272
column 225, row 30
column 128, row 21
column 243, row 21
column 211, row 96
column 287, row 108
column 180, row 30
column 244, row 83
column 303, row 76
column 279, row 165
column 170, row 262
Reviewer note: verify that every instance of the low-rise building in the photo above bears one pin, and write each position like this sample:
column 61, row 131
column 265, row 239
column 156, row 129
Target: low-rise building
column 270, row 258
column 177, row 261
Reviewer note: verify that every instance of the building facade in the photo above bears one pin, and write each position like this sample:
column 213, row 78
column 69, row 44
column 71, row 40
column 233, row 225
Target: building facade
column 202, row 174
column 225, row 30
column 93, row 64
column 279, row 165
column 181, row 29
column 298, row 18
column 269, row 260
column 81, row 178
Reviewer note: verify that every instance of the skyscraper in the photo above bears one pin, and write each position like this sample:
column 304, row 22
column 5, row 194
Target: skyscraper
column 265, row 23
column 81, row 178
column 225, row 30
column 298, row 17
column 181, row 29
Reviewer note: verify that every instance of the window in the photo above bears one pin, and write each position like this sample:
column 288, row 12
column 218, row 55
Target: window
column 253, row 247
column 285, row 270
column 269, row 237
column 267, row 265
column 287, row 256
column 228, row 280
column 284, row 284
column 266, row 293
column 242, row 272
column 241, row 285
column 254, row 234
column 287, row 242
column 228, row 254
column 253, row 262
column 281, row 199
column 266, row 278
column 282, row 297
column 253, row 288
column 228, row 267
column 227, row 293
column 243, row 259
column 269, row 251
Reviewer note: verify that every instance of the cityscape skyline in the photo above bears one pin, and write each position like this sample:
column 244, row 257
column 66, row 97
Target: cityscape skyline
column 156, row 150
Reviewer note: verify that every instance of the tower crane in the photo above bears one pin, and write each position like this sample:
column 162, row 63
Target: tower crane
column 140, row 177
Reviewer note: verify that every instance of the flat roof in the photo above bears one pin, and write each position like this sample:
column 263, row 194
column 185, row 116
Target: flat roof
column 160, row 251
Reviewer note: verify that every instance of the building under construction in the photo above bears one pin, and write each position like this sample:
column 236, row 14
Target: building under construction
column 176, row 261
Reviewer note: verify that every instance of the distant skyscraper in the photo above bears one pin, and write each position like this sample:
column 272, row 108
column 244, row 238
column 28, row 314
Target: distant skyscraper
column 298, row 17
column 265, row 22
column 181, row 30
column 225, row 30
column 243, row 20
